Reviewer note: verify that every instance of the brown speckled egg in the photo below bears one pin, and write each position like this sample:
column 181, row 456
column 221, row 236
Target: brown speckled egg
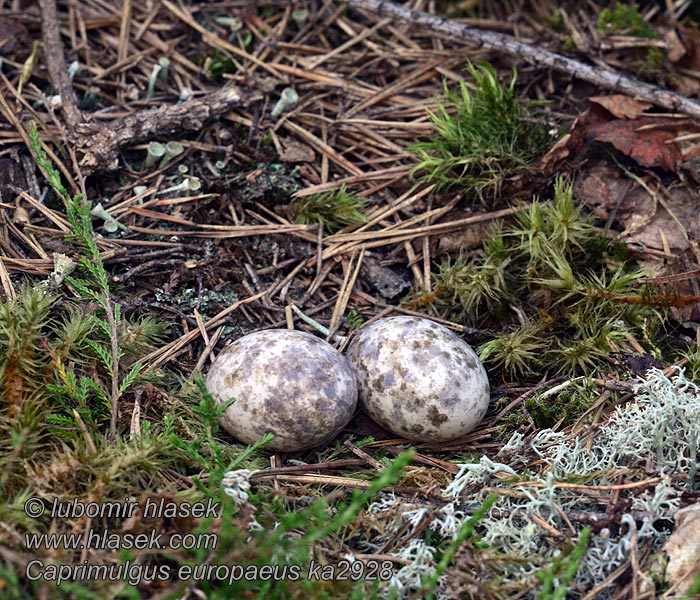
column 418, row 379
column 288, row 383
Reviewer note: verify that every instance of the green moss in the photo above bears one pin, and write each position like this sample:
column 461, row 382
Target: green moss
column 562, row 409
column 518, row 351
column 354, row 319
column 624, row 20
column 646, row 62
column 546, row 288
column 650, row 65
column 63, row 437
column 334, row 209
column 216, row 65
column 482, row 135
column 568, row 44
column 556, row 21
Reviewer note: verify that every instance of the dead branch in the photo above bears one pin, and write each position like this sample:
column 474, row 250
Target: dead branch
column 56, row 63
column 604, row 78
column 97, row 144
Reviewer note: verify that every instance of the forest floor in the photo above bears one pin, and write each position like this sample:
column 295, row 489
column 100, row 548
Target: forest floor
column 175, row 175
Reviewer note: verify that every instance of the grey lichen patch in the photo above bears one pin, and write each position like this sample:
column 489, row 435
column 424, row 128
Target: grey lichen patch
column 418, row 379
column 289, row 383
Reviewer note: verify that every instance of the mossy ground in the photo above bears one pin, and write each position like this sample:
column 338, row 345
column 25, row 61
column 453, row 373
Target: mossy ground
column 101, row 396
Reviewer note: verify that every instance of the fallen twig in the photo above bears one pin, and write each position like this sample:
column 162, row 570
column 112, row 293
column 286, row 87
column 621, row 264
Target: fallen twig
column 604, row 78
column 97, row 144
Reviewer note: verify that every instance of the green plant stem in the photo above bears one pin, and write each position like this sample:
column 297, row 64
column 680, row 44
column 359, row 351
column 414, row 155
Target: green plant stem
column 387, row 478
column 78, row 213
column 465, row 531
column 558, row 592
column 114, row 343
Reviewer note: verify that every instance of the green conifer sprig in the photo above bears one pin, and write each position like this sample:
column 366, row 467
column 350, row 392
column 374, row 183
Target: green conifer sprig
column 96, row 289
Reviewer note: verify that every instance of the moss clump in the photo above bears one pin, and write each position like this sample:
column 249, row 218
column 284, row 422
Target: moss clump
column 554, row 300
column 624, row 20
column 82, row 423
column 334, row 210
column 562, row 409
column 354, row 319
column 649, row 65
column 627, row 20
column 483, row 135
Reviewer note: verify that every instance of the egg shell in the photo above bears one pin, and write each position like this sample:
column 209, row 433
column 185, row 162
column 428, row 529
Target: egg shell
column 418, row 379
column 288, row 383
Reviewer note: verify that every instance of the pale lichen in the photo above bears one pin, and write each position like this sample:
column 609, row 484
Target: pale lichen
column 654, row 436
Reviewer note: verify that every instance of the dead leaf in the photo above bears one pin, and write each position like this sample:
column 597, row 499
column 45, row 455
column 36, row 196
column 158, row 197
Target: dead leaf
column 621, row 106
column 675, row 50
column 647, row 224
column 572, row 143
column 650, row 141
column 556, row 154
column 683, row 550
column 647, row 141
column 602, row 189
column 690, row 38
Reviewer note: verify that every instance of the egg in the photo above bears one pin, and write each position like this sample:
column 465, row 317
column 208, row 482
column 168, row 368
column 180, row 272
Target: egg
column 418, row 379
column 288, row 383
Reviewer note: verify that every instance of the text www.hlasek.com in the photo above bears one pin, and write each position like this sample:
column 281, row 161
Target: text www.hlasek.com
column 106, row 540
column 124, row 541
column 344, row 570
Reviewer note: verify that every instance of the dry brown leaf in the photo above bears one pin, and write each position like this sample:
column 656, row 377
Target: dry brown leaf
column 556, row 154
column 690, row 38
column 683, row 51
column 647, row 224
column 602, row 190
column 650, row 141
column 647, row 141
column 572, row 143
column 621, row 106
column 683, row 550
column 675, row 50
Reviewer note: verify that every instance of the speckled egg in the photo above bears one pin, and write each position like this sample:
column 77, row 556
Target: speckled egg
column 418, row 379
column 288, row 383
